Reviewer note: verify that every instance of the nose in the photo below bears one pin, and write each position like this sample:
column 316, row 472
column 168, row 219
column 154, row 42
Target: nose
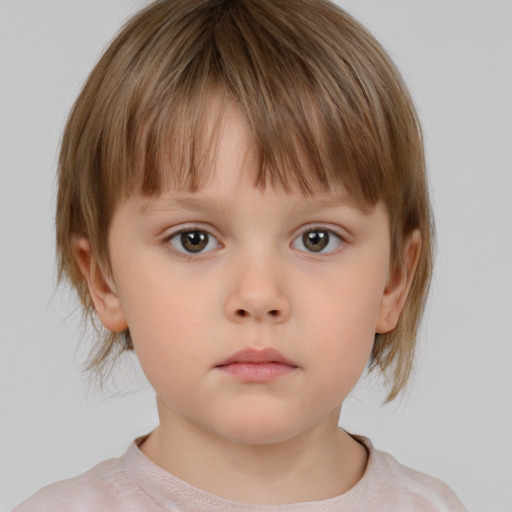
column 257, row 293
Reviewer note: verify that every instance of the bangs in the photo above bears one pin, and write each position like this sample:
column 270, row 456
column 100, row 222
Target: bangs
column 311, row 128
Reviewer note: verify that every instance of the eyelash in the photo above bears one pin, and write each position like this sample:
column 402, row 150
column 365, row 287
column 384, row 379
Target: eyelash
column 326, row 238
column 192, row 229
column 331, row 234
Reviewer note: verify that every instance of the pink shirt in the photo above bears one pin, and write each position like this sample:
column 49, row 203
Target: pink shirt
column 132, row 483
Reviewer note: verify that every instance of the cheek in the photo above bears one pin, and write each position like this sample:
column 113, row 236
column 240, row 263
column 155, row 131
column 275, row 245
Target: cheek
column 157, row 295
column 165, row 329
column 344, row 330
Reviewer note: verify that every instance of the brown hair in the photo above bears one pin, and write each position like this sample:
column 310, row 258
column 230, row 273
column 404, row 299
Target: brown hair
column 323, row 100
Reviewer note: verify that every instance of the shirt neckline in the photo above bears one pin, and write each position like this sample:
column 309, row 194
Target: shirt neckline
column 174, row 494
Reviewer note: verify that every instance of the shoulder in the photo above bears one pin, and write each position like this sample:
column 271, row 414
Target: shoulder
column 407, row 488
column 103, row 488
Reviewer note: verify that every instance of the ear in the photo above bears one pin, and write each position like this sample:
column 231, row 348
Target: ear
column 398, row 285
column 102, row 290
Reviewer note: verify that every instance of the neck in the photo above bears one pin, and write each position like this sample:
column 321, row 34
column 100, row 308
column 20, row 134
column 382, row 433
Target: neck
column 320, row 463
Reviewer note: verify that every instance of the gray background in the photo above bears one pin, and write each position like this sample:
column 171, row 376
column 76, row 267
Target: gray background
column 456, row 422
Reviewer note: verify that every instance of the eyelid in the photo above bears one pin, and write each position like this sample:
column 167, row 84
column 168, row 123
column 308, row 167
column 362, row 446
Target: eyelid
column 343, row 233
column 190, row 226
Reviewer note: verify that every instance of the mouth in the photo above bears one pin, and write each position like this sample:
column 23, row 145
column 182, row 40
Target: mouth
column 257, row 366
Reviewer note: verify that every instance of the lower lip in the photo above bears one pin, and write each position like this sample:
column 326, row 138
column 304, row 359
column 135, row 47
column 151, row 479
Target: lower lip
column 257, row 372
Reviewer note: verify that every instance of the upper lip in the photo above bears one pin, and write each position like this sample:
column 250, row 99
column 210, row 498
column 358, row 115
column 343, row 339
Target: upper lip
column 251, row 355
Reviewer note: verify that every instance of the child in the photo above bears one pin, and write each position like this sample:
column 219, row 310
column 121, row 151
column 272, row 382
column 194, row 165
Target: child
column 242, row 201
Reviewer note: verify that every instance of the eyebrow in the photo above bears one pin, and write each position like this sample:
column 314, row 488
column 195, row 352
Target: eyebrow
column 154, row 206
column 334, row 202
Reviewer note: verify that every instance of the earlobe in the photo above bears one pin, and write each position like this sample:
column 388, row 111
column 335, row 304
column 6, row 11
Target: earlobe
column 102, row 291
column 399, row 285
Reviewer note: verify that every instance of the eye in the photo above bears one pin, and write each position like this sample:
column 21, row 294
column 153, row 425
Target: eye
column 317, row 240
column 193, row 241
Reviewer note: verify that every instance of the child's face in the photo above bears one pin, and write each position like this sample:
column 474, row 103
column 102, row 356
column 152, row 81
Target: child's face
column 199, row 277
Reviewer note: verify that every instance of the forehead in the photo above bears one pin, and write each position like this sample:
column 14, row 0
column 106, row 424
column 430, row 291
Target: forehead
column 226, row 157
column 229, row 163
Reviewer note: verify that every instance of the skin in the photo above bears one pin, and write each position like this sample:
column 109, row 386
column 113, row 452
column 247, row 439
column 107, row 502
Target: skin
column 254, row 285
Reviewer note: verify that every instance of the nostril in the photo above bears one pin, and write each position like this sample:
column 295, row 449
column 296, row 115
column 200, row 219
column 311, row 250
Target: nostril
column 273, row 312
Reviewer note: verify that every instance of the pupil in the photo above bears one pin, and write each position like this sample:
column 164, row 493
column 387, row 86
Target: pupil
column 194, row 241
column 316, row 241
